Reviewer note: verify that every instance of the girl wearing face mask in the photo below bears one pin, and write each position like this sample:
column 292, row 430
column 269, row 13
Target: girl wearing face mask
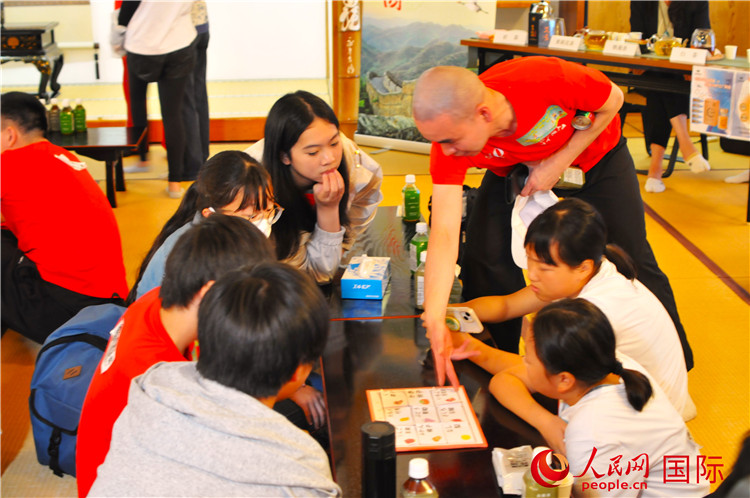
column 609, row 404
column 329, row 189
column 568, row 257
column 230, row 183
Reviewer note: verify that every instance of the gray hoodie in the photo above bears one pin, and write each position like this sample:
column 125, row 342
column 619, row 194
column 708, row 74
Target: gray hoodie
column 184, row 435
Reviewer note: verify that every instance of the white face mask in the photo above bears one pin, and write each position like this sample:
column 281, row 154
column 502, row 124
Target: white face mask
column 264, row 226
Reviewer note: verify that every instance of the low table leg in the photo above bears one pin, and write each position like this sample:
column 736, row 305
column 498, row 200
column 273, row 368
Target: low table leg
column 110, row 168
column 119, row 175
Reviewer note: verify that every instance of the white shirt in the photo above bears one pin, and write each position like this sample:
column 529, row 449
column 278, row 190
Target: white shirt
column 644, row 331
column 159, row 27
column 604, row 419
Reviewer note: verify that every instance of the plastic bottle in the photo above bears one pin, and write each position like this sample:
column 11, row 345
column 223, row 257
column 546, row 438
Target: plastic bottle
column 67, row 121
column 79, row 113
column 378, row 460
column 419, row 282
column 418, row 484
column 417, row 244
column 410, row 195
column 531, row 488
column 54, row 116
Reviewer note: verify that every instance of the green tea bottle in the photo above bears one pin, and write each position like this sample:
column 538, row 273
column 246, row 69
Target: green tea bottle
column 79, row 114
column 54, row 116
column 410, row 195
column 67, row 121
column 417, row 244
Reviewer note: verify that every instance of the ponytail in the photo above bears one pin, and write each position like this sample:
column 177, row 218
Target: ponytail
column 622, row 261
column 637, row 387
column 573, row 335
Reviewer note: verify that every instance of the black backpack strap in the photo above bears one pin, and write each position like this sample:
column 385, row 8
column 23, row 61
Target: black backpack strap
column 53, row 450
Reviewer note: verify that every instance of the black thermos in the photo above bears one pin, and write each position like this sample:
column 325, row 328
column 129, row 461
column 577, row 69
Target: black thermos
column 378, row 460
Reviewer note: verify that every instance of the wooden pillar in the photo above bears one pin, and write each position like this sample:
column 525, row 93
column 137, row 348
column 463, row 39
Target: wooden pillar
column 347, row 45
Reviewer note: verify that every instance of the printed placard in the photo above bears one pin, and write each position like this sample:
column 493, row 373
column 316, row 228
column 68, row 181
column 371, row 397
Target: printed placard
column 689, row 55
column 428, row 418
column 568, row 43
column 621, row 48
column 517, row 37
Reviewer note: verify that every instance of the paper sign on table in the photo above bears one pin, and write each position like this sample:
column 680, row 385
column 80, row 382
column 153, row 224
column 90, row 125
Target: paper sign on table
column 567, row 43
column 428, row 418
column 688, row 55
column 517, row 37
column 625, row 49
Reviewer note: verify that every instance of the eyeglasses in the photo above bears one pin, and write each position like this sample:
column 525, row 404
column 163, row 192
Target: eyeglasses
column 271, row 215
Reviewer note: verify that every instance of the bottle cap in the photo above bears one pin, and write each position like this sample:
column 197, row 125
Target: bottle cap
column 421, row 227
column 66, row 103
column 53, row 101
column 78, row 101
column 411, row 179
column 419, row 468
column 379, row 439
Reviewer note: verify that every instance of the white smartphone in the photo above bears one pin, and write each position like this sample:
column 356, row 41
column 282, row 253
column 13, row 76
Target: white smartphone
column 465, row 317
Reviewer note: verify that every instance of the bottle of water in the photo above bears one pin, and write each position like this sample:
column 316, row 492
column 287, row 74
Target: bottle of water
column 418, row 485
column 419, row 282
column 410, row 195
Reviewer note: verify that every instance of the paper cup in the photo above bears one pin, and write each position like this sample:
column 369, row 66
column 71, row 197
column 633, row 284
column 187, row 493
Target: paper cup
column 730, row 51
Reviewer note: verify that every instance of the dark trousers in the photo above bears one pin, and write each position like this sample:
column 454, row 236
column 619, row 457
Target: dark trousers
column 170, row 72
column 31, row 306
column 195, row 112
column 660, row 108
column 612, row 187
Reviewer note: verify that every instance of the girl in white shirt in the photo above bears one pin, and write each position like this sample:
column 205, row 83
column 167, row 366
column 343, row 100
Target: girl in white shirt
column 570, row 356
column 568, row 256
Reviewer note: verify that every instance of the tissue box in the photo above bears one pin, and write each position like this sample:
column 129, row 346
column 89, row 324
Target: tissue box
column 368, row 284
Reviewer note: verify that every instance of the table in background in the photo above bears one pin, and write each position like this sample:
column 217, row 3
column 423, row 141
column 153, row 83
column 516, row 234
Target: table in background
column 374, row 354
column 34, row 44
column 104, row 144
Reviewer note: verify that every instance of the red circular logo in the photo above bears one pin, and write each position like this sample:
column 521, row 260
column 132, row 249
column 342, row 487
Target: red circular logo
column 545, row 475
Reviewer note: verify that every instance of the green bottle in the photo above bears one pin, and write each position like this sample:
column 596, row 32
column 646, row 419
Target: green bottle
column 410, row 195
column 79, row 114
column 417, row 244
column 67, row 121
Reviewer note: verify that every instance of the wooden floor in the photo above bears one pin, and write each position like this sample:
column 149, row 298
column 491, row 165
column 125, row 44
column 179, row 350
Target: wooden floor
column 697, row 229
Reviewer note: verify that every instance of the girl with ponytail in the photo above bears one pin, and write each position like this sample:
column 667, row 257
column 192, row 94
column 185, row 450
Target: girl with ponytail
column 608, row 403
column 568, row 257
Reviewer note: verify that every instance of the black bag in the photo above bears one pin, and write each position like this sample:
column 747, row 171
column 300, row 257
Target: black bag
column 734, row 146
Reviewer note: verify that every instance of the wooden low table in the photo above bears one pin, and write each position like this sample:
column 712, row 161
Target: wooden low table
column 34, row 44
column 104, row 144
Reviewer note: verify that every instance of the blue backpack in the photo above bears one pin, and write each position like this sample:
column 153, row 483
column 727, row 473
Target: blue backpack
column 64, row 368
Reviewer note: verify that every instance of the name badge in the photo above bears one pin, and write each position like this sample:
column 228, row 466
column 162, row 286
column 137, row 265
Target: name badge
column 569, row 43
column 621, row 48
column 517, row 37
column 689, row 55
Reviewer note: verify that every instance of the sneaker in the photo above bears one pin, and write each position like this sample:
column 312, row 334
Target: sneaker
column 175, row 194
column 138, row 168
column 741, row 178
column 698, row 163
column 655, row 186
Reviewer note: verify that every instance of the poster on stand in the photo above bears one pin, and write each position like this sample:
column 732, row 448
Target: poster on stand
column 400, row 40
column 720, row 102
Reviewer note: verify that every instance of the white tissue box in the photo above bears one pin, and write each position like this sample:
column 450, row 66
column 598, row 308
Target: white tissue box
column 366, row 278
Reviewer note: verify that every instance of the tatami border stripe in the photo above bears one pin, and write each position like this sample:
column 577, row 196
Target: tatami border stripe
column 702, row 257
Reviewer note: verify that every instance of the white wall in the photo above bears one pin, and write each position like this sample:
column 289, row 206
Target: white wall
column 250, row 39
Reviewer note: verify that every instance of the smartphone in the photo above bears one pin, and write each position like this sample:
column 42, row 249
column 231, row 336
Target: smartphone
column 465, row 317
